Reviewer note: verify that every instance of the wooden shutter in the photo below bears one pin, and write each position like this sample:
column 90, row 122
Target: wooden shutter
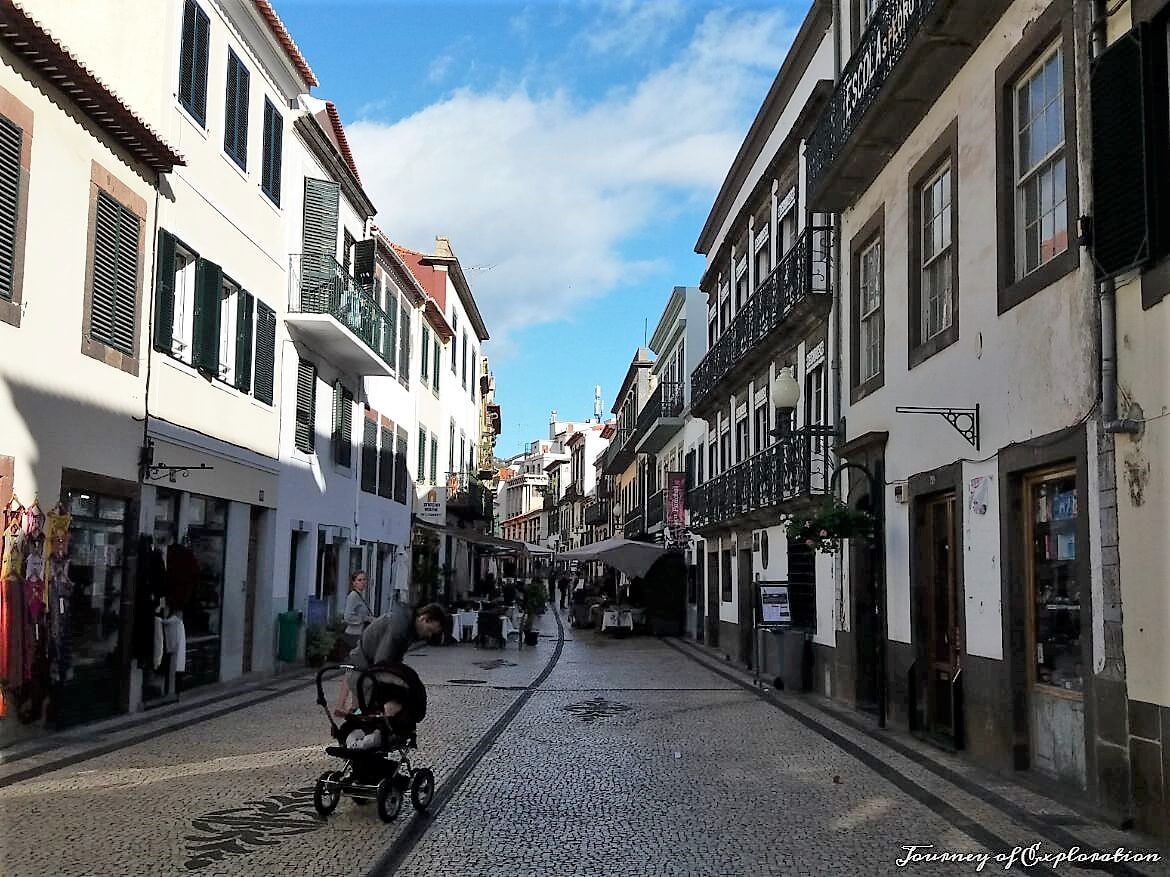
column 369, row 455
column 235, row 127
column 363, row 261
column 404, row 345
column 305, row 432
column 164, row 292
column 265, row 353
column 114, row 296
column 1121, row 192
column 422, row 455
column 342, row 426
column 434, row 460
column 387, row 463
column 193, row 54
column 401, row 470
column 273, row 152
column 11, row 140
column 320, row 218
column 205, row 337
column 435, row 374
column 244, row 306
column 390, row 336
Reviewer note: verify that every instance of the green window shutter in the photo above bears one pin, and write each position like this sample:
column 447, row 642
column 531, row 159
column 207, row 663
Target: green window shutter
column 404, row 345
column 342, row 426
column 244, row 341
column 426, row 353
column 363, row 261
column 208, row 294
column 164, row 292
column 435, row 374
column 262, row 386
column 434, row 460
column 454, row 342
column 11, row 140
column 401, row 474
column 422, row 455
column 193, row 54
column 305, row 432
column 114, row 296
column 235, row 126
column 346, row 250
column 369, row 455
column 386, row 464
column 390, row 336
column 319, row 242
column 273, row 152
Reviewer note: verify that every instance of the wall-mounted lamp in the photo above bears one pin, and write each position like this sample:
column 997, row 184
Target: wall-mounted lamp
column 786, row 389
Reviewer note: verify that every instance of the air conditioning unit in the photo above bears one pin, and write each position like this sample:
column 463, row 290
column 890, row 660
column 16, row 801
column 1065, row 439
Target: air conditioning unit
column 901, row 492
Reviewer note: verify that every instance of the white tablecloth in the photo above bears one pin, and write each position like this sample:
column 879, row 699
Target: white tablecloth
column 464, row 625
column 614, row 618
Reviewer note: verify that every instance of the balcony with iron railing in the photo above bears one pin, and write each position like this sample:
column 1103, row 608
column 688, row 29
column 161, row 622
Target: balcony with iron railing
column 340, row 319
column 618, row 456
column 635, row 525
column 597, row 513
column 909, row 53
column 655, row 509
column 794, row 298
column 661, row 417
column 468, row 498
column 792, row 474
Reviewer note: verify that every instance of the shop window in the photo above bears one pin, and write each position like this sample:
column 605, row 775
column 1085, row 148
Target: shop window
column 193, row 54
column 235, row 123
column 1053, row 577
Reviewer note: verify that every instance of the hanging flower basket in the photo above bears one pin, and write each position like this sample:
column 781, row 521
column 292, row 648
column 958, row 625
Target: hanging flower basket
column 824, row 529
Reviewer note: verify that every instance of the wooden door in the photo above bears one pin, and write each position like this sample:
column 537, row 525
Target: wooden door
column 250, row 586
column 938, row 563
column 747, row 609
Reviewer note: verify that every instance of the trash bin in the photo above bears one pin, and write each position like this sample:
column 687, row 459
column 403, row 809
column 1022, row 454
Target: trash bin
column 288, row 626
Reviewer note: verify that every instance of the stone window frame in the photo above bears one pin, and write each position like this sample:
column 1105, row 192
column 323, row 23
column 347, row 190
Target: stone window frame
column 103, row 180
column 1054, row 23
column 874, row 229
column 21, row 115
column 944, row 150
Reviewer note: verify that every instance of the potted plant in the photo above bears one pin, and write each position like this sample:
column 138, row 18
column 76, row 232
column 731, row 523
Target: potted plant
column 320, row 640
column 824, row 528
column 534, row 596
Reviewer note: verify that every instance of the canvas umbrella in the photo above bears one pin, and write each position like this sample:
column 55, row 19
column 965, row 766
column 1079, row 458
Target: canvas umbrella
column 631, row 557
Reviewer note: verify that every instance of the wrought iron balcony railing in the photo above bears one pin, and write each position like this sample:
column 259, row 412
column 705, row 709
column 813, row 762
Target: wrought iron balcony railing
column 468, row 496
column 800, row 278
column 655, row 509
column 615, row 457
column 597, row 513
column 665, row 401
column 635, row 525
column 319, row 285
column 796, row 468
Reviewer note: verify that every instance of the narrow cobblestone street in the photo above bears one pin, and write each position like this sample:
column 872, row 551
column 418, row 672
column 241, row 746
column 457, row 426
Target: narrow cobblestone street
column 585, row 755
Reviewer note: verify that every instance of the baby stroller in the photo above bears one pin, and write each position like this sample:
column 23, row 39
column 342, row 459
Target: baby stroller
column 381, row 772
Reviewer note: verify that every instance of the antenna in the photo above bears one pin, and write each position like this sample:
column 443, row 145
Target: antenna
column 645, row 331
column 597, row 403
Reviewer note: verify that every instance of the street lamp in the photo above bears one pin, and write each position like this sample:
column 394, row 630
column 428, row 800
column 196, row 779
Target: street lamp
column 785, row 396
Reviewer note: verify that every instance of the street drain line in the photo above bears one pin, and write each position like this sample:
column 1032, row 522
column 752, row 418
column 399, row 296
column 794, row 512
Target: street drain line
column 389, row 862
column 1045, row 826
column 990, row 840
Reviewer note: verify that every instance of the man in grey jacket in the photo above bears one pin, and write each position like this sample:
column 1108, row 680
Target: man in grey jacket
column 383, row 644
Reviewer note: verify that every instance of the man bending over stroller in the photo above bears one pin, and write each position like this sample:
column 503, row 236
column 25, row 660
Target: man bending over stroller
column 383, row 644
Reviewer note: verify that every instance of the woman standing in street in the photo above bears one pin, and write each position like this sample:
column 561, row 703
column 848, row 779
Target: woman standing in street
column 357, row 617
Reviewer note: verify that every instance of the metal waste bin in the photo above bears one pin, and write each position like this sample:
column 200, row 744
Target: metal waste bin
column 288, row 625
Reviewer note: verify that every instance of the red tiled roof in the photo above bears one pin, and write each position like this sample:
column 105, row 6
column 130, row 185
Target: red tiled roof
column 431, row 280
column 25, row 36
column 342, row 141
column 286, row 41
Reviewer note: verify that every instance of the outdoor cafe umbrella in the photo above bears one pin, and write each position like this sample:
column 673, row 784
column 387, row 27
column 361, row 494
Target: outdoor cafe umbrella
column 631, row 557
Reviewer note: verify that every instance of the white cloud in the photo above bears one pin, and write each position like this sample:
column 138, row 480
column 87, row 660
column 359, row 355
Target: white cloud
column 631, row 26
column 551, row 189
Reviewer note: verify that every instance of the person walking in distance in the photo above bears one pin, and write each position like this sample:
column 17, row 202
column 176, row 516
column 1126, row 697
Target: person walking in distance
column 357, row 616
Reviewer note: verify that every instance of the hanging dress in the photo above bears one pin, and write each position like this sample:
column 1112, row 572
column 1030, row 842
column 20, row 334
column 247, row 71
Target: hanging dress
column 60, row 594
column 12, row 613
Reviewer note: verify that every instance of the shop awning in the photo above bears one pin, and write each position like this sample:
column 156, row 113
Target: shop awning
column 485, row 539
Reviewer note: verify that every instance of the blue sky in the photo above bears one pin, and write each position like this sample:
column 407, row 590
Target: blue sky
column 570, row 150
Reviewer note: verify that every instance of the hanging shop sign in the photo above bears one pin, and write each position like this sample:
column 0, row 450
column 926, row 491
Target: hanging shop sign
column 676, row 498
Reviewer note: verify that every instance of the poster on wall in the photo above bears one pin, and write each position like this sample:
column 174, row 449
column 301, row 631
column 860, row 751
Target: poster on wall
column 774, row 605
column 979, row 489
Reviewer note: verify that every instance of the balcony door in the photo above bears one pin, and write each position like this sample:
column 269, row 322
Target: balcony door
column 319, row 244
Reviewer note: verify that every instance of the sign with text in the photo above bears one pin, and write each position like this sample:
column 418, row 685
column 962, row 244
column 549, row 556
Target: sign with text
column 774, row 605
column 676, row 499
column 432, row 504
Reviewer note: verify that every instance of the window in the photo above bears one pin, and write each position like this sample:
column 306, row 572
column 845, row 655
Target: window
column 725, row 577
column 464, row 358
column 763, row 263
column 235, row 123
column 870, row 311
column 725, row 450
column 347, row 242
column 229, row 305
column 404, row 345
column 435, row 372
column 390, row 333
column 305, row 431
column 1041, row 225
column 454, row 345
column 741, row 287
column 763, row 439
column 451, row 450
column 936, row 254
column 400, row 471
column 387, row 462
column 244, row 334
column 434, row 459
column 265, row 366
column 474, row 370
column 712, row 332
column 422, row 456
column 742, row 450
column 342, row 426
column 713, row 460
column 273, row 152
column 15, row 152
column 933, row 265
column 463, row 452
column 174, row 335
column 369, row 473
column 193, row 53
column 786, row 231
column 426, row 353
column 113, row 305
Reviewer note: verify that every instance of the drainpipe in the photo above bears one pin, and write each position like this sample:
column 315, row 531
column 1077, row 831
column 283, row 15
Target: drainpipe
column 1107, row 288
column 835, row 353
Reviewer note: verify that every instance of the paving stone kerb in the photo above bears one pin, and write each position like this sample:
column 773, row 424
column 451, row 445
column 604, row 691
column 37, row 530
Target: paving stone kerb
column 692, row 775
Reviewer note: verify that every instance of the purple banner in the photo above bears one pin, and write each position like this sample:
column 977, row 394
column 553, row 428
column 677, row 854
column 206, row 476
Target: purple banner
column 676, row 496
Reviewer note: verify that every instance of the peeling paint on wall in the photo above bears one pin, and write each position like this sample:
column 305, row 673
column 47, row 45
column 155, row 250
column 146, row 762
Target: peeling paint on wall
column 1137, row 476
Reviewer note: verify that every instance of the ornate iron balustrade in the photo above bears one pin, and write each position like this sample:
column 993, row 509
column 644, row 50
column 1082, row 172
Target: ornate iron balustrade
column 597, row 513
column 467, row 495
column 655, row 509
column 616, row 449
column 802, row 273
column 667, row 400
column 797, row 467
column 891, row 29
column 635, row 525
column 319, row 285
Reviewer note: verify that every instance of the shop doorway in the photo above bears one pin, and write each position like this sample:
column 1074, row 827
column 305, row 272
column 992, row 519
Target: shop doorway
column 207, row 521
column 865, row 619
column 250, row 586
column 713, row 600
column 746, row 608
column 939, row 630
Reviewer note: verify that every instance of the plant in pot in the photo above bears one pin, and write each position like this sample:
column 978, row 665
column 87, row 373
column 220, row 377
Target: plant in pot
column 534, row 596
column 824, row 528
column 320, row 640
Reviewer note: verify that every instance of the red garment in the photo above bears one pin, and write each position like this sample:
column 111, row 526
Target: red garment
column 11, row 637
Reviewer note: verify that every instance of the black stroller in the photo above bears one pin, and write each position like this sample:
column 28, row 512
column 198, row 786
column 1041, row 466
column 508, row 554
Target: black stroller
column 381, row 773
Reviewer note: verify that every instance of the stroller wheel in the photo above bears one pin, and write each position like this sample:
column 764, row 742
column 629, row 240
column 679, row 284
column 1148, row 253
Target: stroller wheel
column 422, row 788
column 327, row 794
column 389, row 801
